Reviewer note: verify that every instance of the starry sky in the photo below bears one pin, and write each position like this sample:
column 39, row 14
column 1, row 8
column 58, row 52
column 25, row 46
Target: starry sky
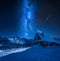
column 46, row 16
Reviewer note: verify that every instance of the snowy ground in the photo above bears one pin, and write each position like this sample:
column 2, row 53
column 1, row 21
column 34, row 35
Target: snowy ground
column 36, row 53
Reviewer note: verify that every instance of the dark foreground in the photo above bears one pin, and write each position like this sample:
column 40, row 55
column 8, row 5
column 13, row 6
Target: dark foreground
column 43, row 48
column 36, row 53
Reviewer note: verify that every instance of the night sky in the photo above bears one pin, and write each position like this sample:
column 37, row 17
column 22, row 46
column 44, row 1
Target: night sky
column 46, row 16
